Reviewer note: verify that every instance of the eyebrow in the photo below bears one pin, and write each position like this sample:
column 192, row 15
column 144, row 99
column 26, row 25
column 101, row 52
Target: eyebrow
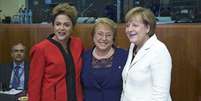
column 63, row 22
column 18, row 49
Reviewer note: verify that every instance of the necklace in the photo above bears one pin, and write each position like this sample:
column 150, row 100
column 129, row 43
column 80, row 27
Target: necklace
column 109, row 54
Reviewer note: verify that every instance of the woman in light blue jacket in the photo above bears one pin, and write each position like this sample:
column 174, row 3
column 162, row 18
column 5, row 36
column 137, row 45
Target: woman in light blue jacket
column 147, row 73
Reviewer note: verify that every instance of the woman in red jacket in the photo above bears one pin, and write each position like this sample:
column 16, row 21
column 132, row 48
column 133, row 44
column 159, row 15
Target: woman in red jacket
column 56, row 61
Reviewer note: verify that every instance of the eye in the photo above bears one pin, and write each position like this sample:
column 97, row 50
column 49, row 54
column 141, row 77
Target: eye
column 127, row 24
column 99, row 33
column 21, row 50
column 109, row 34
column 67, row 24
column 57, row 23
column 135, row 25
column 15, row 50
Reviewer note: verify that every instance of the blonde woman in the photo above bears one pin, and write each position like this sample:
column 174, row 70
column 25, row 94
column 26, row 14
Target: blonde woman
column 147, row 73
column 103, row 64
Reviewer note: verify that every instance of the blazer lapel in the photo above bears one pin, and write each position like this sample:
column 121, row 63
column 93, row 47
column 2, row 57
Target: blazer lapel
column 130, row 56
column 10, row 68
column 144, row 50
column 139, row 56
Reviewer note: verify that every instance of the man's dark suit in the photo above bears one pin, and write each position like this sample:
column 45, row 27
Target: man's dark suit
column 6, row 71
column 1, row 77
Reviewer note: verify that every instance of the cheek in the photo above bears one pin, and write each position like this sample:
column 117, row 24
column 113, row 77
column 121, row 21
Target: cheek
column 55, row 29
column 126, row 30
column 145, row 29
column 94, row 39
column 22, row 54
column 69, row 28
column 127, row 35
column 111, row 40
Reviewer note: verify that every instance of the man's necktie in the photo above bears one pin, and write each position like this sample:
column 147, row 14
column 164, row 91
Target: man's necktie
column 16, row 78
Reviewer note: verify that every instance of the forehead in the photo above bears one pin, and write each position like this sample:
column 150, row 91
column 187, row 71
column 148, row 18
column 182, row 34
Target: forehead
column 18, row 47
column 103, row 26
column 135, row 18
column 62, row 18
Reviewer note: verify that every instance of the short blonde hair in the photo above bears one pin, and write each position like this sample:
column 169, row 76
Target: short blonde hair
column 106, row 21
column 146, row 16
column 65, row 9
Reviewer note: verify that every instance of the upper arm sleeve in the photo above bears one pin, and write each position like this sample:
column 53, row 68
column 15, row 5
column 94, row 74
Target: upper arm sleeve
column 37, row 66
column 161, row 76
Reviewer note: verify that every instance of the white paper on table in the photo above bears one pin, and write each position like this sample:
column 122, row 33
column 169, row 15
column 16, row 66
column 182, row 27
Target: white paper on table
column 11, row 92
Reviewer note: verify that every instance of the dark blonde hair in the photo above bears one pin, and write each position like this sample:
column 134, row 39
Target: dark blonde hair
column 106, row 21
column 146, row 16
column 65, row 9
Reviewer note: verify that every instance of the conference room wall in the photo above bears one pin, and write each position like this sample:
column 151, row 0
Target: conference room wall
column 182, row 40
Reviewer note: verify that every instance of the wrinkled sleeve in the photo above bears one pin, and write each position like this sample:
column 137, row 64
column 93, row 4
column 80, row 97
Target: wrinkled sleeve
column 37, row 66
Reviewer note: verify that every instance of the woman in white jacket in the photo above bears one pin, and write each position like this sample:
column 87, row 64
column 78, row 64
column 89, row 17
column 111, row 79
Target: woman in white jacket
column 147, row 73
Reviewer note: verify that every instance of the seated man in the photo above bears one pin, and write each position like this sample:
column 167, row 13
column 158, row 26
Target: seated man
column 15, row 74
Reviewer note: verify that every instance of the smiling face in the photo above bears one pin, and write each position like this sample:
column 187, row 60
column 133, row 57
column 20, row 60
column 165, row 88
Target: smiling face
column 62, row 27
column 103, row 37
column 136, row 31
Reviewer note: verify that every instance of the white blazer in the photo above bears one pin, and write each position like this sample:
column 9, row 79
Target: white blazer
column 147, row 77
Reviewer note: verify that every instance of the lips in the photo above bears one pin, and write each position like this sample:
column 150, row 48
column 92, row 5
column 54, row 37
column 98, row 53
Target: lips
column 132, row 34
column 103, row 43
column 62, row 33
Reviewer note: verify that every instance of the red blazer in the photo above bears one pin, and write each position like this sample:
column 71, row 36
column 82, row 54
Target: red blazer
column 48, row 71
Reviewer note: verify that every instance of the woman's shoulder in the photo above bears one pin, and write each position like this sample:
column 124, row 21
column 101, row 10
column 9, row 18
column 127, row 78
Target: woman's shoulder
column 40, row 47
column 121, row 51
column 76, row 39
column 42, row 44
column 87, row 54
column 120, row 54
column 88, row 51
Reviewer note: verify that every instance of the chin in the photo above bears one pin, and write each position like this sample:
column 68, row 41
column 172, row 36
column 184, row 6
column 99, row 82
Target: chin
column 102, row 48
column 132, row 41
column 18, row 60
column 61, row 38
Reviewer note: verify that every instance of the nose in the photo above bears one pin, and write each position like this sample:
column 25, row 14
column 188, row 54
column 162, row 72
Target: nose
column 62, row 26
column 19, row 53
column 104, row 37
column 129, row 28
